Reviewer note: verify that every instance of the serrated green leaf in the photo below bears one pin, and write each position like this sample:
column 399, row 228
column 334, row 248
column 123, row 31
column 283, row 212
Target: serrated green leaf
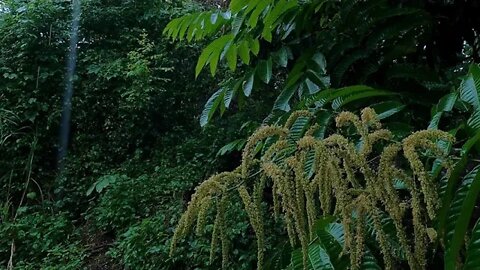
column 387, row 108
column 472, row 261
column 264, row 70
column 255, row 46
column 345, row 99
column 369, row 262
column 230, row 93
column 459, row 215
column 214, row 57
column 248, row 84
column 322, row 81
column 332, row 238
column 470, row 87
column 319, row 258
column 237, row 24
column 235, row 145
column 237, row 5
column 298, row 128
column 474, row 120
column 452, row 182
column 320, row 63
column 282, row 57
column 281, row 103
column 259, row 8
column 435, row 121
column 232, row 57
column 244, row 52
column 446, row 103
column 211, row 106
column 311, row 86
column 322, row 119
column 211, row 54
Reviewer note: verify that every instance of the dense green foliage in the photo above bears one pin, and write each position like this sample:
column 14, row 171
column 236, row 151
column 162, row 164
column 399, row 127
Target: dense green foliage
column 144, row 133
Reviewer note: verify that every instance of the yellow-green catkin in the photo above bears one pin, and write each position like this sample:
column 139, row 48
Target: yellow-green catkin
column 356, row 255
column 222, row 206
column 343, row 179
column 260, row 134
column 298, row 202
column 391, row 201
column 294, row 116
column 423, row 140
column 381, row 236
column 202, row 214
column 252, row 208
column 215, row 236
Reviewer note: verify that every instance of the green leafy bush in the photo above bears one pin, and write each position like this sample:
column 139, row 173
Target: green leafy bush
column 42, row 240
column 146, row 245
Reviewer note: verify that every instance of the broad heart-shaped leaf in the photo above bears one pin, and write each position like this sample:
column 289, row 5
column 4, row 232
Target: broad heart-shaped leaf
column 470, row 87
column 459, row 216
column 264, row 70
column 472, row 261
column 211, row 106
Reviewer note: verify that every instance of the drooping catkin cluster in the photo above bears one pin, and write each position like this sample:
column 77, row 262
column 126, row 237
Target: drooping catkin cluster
column 310, row 177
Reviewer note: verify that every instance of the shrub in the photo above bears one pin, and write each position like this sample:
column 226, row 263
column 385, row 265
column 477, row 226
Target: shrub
column 42, row 240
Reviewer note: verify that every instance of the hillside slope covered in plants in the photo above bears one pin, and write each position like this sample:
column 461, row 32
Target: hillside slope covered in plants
column 243, row 134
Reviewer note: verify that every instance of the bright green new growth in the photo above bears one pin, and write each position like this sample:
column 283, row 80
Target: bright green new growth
column 354, row 183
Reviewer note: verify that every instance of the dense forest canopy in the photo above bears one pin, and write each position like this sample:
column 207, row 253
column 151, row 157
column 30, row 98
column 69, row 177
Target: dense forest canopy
column 243, row 134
